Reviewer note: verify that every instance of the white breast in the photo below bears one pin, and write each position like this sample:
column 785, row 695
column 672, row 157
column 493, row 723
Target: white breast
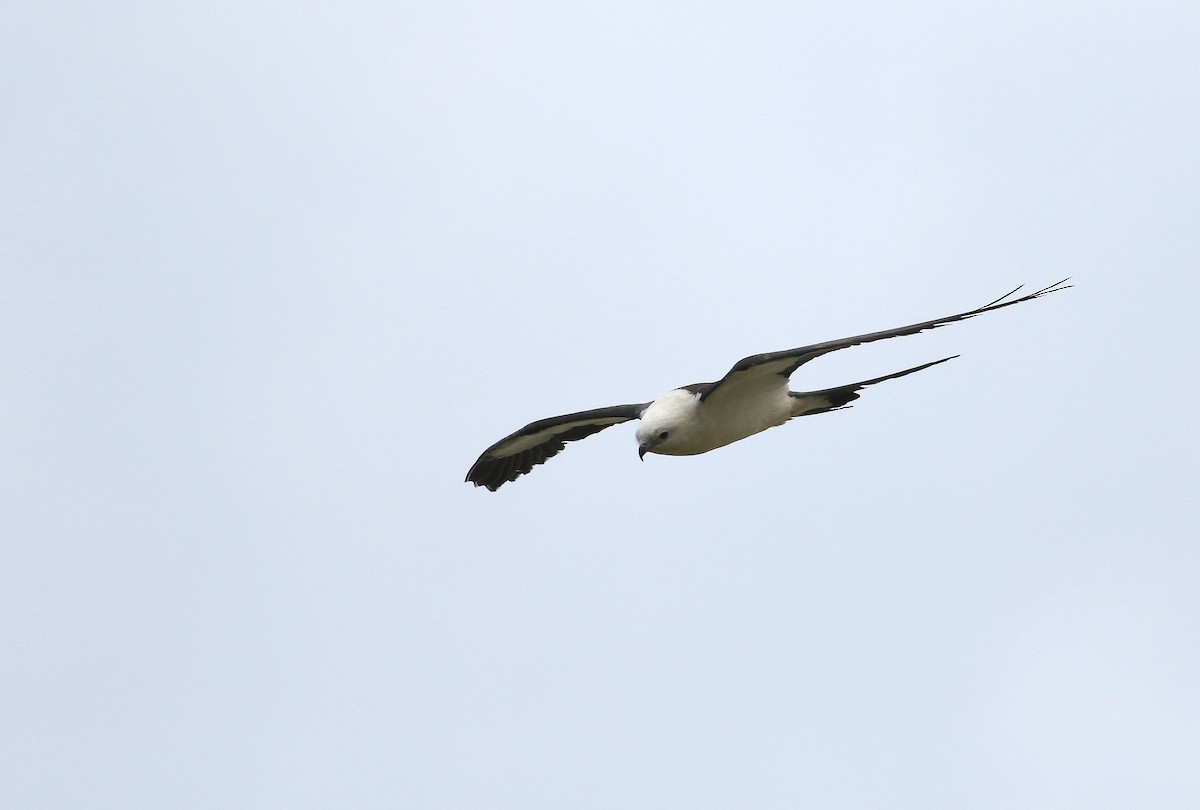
column 729, row 416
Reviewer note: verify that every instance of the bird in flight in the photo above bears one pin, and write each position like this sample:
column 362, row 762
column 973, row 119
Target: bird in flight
column 700, row 417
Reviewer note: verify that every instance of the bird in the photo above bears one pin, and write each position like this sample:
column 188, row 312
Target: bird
column 752, row 397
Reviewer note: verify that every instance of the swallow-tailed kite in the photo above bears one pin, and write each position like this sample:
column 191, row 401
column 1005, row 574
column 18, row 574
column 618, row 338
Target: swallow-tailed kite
column 700, row 417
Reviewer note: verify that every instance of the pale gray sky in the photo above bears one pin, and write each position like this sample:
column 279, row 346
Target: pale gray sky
column 275, row 274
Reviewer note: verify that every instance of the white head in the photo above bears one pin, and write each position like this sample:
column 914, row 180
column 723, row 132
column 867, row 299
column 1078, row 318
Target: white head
column 670, row 425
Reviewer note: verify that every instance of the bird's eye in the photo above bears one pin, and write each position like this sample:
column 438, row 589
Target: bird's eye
column 663, row 435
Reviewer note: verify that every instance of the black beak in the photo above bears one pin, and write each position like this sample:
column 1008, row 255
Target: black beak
column 642, row 448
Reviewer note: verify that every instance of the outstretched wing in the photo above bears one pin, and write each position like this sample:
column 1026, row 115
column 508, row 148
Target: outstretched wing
column 758, row 369
column 516, row 454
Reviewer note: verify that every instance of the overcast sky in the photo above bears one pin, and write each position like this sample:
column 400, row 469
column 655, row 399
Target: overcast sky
column 275, row 274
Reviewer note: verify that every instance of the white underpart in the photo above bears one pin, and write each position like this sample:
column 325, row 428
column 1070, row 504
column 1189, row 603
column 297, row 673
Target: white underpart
column 731, row 413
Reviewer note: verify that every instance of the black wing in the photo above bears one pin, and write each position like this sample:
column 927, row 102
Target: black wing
column 756, row 368
column 517, row 453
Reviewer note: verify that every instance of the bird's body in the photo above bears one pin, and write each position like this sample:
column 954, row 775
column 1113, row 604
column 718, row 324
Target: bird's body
column 696, row 418
column 694, row 425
